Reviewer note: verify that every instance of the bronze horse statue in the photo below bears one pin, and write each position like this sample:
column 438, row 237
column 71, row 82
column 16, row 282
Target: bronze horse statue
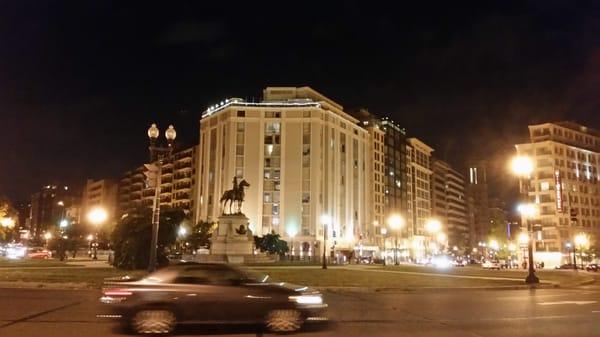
column 236, row 194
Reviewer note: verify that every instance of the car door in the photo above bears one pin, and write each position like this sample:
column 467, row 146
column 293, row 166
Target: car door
column 197, row 299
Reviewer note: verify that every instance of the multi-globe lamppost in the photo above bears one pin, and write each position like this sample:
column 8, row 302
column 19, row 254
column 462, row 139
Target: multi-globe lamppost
column 158, row 154
column 522, row 167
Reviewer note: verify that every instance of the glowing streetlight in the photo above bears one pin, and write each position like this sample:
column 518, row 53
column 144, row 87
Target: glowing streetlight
column 512, row 247
column 325, row 221
column 433, row 226
column 522, row 166
column 90, row 237
column 442, row 237
column 97, row 215
column 396, row 222
column 47, row 236
column 493, row 244
column 64, row 223
column 7, row 222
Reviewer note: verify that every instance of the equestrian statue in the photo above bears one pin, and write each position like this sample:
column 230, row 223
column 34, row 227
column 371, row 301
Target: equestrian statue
column 236, row 194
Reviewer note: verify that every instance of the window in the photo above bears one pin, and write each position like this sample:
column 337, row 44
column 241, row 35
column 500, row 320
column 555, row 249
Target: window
column 241, row 113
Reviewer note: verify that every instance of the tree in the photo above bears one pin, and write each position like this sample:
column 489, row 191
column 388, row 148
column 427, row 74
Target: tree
column 201, row 235
column 7, row 211
column 271, row 243
column 132, row 234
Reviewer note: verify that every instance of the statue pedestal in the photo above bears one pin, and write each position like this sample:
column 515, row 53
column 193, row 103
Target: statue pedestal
column 233, row 239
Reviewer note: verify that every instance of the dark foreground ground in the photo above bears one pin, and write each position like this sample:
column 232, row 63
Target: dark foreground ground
column 543, row 312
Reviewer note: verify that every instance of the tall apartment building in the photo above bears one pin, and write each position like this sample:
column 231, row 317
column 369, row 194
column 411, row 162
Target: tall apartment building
column 565, row 179
column 303, row 156
column 177, row 189
column 478, row 202
column 48, row 206
column 449, row 203
column 419, row 197
column 99, row 193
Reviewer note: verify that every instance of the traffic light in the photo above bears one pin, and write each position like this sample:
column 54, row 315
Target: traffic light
column 151, row 173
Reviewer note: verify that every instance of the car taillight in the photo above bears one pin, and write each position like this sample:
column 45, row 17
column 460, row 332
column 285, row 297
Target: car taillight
column 117, row 292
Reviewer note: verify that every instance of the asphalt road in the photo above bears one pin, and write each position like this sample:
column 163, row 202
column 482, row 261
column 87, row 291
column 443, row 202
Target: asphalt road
column 544, row 312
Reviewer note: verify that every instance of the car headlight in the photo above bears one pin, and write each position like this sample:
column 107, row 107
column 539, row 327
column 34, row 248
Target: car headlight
column 307, row 299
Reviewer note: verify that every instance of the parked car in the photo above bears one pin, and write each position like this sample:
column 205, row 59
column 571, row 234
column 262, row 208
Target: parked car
column 218, row 293
column 38, row 253
column 592, row 267
column 491, row 265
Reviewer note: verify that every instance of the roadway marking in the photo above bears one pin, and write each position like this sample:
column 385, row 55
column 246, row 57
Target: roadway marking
column 568, row 302
column 23, row 319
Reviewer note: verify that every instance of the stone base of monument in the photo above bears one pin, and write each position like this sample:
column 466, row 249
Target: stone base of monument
column 233, row 242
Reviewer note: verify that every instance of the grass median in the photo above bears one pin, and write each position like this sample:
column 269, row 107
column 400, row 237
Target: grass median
column 344, row 277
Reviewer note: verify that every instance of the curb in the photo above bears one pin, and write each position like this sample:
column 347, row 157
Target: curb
column 41, row 285
column 432, row 289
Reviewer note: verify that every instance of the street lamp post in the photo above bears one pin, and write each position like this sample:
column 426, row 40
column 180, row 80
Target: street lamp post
column 395, row 221
column 580, row 241
column 384, row 233
column 96, row 216
column 433, row 227
column 158, row 154
column 523, row 167
column 291, row 232
column 325, row 221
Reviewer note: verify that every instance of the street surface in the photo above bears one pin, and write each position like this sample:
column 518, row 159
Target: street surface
column 543, row 312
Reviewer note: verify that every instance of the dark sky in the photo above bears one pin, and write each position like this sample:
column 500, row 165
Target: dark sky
column 80, row 81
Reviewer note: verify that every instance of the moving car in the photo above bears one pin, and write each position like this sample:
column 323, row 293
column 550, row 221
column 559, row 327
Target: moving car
column 38, row 253
column 565, row 266
column 592, row 267
column 491, row 265
column 190, row 293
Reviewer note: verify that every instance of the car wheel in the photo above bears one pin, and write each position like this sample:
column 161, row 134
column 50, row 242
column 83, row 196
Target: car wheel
column 153, row 321
column 287, row 320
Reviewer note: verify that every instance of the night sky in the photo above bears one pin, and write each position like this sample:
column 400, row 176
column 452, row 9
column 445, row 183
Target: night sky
column 80, row 81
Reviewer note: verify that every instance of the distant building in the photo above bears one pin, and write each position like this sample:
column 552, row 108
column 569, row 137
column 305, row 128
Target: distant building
column 565, row 183
column 388, row 167
column 178, row 183
column 419, row 195
column 303, row 156
column 478, row 203
column 449, row 203
column 99, row 193
column 48, row 207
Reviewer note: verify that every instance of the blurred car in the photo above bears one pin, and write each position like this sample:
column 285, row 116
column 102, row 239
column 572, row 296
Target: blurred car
column 459, row 263
column 16, row 251
column 565, row 266
column 592, row 267
column 38, row 253
column 209, row 293
column 491, row 265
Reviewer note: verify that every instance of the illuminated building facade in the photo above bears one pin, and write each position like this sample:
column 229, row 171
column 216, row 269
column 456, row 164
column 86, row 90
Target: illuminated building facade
column 302, row 155
column 565, row 183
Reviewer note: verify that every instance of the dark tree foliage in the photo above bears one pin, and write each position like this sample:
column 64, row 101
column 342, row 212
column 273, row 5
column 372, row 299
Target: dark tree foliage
column 132, row 235
column 271, row 243
column 201, row 234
